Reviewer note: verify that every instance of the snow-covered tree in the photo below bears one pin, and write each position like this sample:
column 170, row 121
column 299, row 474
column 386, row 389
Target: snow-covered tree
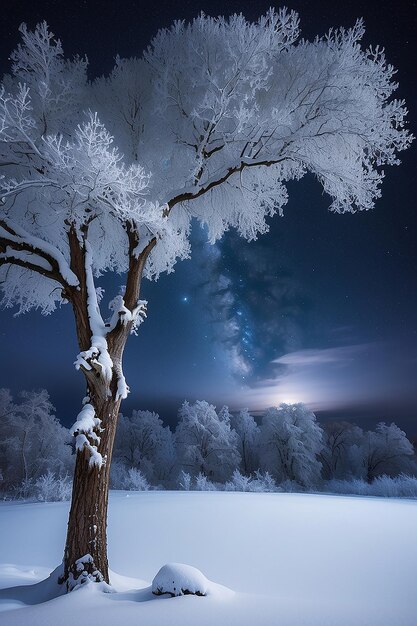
column 341, row 456
column 247, row 432
column 144, row 443
column 210, row 123
column 7, row 418
column 32, row 440
column 386, row 451
column 291, row 440
column 205, row 441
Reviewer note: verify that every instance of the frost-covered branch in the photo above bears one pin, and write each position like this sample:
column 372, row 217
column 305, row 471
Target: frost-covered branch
column 27, row 261
column 45, row 258
column 219, row 179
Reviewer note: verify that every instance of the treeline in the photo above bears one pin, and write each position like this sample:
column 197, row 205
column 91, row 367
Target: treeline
column 35, row 449
column 286, row 450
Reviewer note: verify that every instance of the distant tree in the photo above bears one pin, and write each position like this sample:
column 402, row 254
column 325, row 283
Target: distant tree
column 206, row 444
column 291, row 441
column 32, row 440
column 7, row 418
column 213, row 120
column 247, row 432
column 340, row 456
column 144, row 443
column 386, row 451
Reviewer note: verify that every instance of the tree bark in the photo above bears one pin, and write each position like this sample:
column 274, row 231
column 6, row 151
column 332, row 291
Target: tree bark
column 85, row 555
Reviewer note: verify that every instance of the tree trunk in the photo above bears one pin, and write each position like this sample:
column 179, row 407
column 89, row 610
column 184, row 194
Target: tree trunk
column 85, row 556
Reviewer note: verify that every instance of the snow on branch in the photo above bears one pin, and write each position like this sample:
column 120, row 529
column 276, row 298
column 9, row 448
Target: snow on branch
column 48, row 256
column 85, row 432
column 26, row 260
column 123, row 315
column 97, row 356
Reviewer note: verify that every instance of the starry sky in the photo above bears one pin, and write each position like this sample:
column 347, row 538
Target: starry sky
column 320, row 310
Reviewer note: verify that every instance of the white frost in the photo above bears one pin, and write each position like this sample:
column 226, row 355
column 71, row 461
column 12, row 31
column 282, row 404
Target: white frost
column 234, row 111
column 24, row 237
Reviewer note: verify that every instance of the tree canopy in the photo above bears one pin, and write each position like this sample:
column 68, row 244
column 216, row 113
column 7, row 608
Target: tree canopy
column 211, row 122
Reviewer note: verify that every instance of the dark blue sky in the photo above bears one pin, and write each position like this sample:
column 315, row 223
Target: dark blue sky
column 321, row 310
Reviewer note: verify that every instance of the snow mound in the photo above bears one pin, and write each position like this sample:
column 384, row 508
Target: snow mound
column 178, row 579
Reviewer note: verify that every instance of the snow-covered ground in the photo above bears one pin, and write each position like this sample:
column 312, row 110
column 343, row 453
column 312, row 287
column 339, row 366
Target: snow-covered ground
column 288, row 559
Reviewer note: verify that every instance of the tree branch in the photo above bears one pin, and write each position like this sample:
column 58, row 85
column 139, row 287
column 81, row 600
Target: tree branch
column 8, row 258
column 16, row 238
column 216, row 182
column 136, row 265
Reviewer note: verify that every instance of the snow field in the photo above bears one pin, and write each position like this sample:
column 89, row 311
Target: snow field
column 291, row 559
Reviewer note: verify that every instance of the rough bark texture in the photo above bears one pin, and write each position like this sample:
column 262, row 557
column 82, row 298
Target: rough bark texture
column 87, row 524
column 85, row 555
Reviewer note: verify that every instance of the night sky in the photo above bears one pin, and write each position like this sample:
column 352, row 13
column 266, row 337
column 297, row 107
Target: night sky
column 321, row 310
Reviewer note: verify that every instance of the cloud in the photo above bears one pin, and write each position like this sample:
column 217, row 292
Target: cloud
column 341, row 355
column 326, row 378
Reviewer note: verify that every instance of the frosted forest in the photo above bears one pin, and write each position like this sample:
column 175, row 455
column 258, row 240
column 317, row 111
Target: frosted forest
column 288, row 451
column 106, row 182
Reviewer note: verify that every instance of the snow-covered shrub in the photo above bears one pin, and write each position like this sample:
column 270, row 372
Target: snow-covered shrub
column 202, row 483
column 184, row 481
column 238, row 482
column 130, row 479
column 402, row 486
column 290, row 486
column 260, row 482
column 47, row 488
column 51, row 488
column 24, row 490
column 263, row 481
column 117, row 475
column 177, row 579
column 407, row 486
column 136, row 481
column 356, row 486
